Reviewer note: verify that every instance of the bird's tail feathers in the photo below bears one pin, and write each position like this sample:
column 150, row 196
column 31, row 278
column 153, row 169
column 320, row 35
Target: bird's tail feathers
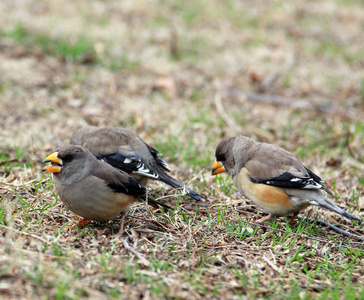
column 323, row 202
column 151, row 201
column 327, row 190
column 180, row 186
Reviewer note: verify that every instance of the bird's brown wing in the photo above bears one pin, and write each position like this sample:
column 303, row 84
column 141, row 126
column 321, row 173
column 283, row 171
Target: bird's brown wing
column 125, row 150
column 121, row 182
column 275, row 166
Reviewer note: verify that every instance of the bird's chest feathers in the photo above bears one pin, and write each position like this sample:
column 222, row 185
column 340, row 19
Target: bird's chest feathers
column 92, row 199
column 272, row 199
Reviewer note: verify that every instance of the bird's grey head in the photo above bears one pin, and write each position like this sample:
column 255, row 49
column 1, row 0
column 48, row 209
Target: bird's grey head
column 224, row 154
column 234, row 152
column 70, row 163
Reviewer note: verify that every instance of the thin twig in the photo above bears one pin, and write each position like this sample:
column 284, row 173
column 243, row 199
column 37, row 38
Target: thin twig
column 343, row 232
column 305, row 236
column 275, row 100
column 136, row 253
column 334, row 228
column 25, row 233
column 338, row 230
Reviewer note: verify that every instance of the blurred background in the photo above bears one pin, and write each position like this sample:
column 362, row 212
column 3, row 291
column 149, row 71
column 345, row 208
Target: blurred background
column 184, row 74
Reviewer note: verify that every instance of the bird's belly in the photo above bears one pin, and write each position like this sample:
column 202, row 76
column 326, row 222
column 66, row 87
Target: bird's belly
column 102, row 204
column 270, row 198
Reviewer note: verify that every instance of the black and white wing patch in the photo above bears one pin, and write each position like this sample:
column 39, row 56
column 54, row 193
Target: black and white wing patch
column 157, row 155
column 288, row 180
column 317, row 179
column 127, row 163
column 162, row 162
column 313, row 175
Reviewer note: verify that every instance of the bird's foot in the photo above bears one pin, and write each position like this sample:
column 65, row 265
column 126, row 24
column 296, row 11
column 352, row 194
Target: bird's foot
column 262, row 220
column 293, row 218
column 121, row 230
column 81, row 223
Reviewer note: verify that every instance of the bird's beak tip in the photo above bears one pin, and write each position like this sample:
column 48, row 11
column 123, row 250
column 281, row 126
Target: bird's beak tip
column 52, row 169
column 56, row 163
column 217, row 168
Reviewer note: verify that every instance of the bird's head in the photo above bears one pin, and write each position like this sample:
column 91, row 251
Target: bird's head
column 68, row 160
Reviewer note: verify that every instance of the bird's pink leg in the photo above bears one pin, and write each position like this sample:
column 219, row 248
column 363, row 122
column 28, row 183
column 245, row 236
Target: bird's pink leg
column 121, row 230
column 293, row 218
column 82, row 223
column 79, row 224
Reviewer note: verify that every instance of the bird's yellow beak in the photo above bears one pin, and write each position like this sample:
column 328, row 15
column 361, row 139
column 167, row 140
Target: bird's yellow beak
column 217, row 168
column 56, row 163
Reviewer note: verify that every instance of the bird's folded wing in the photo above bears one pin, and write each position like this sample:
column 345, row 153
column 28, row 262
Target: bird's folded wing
column 318, row 180
column 160, row 161
column 123, row 149
column 97, row 140
column 118, row 181
column 281, row 168
column 121, row 182
column 127, row 160
column 288, row 180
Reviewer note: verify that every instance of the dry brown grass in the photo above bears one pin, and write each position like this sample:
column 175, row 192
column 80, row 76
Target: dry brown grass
column 182, row 75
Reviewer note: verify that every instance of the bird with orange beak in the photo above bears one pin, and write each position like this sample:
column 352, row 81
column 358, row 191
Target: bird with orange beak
column 125, row 150
column 91, row 188
column 273, row 178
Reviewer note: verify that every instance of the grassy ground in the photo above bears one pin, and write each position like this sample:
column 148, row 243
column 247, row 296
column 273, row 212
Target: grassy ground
column 183, row 74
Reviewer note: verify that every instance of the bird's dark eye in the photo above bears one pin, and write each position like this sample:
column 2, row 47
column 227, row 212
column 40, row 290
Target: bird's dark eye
column 68, row 158
column 220, row 157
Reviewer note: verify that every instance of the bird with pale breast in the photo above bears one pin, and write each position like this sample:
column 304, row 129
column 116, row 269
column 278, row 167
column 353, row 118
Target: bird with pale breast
column 92, row 188
column 273, row 178
column 125, row 150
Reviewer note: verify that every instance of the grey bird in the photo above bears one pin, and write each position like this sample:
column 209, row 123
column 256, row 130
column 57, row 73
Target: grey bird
column 125, row 150
column 91, row 188
column 272, row 178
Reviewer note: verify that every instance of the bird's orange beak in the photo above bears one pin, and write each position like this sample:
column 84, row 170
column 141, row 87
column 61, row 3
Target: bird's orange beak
column 217, row 168
column 56, row 163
